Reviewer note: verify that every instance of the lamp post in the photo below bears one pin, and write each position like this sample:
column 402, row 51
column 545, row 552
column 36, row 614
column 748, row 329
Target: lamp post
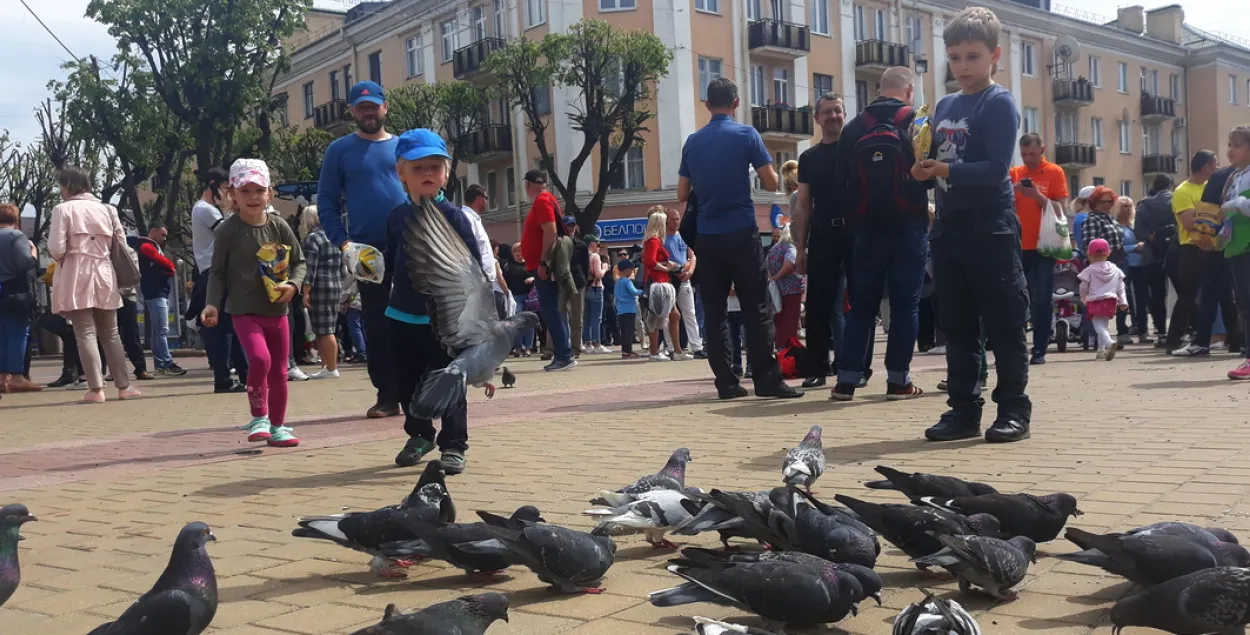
column 922, row 68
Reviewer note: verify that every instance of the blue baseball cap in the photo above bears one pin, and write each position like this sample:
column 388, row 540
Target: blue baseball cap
column 420, row 143
column 366, row 91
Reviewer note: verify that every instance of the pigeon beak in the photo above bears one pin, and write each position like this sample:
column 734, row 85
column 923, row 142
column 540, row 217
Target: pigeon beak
column 855, row 610
column 212, row 536
column 28, row 518
column 505, row 618
column 1077, row 512
column 876, row 596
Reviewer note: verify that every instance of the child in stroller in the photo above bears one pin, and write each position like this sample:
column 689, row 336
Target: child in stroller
column 1066, row 296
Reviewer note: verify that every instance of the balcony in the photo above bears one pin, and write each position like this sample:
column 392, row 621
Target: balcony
column 332, row 115
column 1155, row 109
column 487, row 142
column 782, row 122
column 1075, row 156
column 1158, row 163
column 1073, row 93
column 778, row 39
column 879, row 55
column 470, row 60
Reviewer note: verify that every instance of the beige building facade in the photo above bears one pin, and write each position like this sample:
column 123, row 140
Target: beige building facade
column 1117, row 101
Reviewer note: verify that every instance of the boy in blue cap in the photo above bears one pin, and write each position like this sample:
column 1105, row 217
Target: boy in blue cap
column 423, row 165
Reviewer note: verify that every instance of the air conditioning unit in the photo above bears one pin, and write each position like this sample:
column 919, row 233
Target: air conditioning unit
column 1181, row 123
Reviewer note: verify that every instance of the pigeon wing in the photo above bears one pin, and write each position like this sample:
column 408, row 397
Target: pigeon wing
column 164, row 613
column 1220, row 599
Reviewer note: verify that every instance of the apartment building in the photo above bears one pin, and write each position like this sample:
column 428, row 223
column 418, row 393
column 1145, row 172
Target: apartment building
column 1117, row 100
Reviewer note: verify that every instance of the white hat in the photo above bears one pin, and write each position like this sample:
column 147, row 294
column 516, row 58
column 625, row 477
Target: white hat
column 245, row 171
column 1084, row 194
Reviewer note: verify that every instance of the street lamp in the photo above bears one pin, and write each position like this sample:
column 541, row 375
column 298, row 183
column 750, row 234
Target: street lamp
column 922, row 64
column 922, row 68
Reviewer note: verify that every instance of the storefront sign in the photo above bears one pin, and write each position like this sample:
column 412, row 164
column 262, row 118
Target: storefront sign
column 622, row 230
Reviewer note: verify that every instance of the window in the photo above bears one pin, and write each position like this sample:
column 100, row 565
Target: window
column 1028, row 122
column 416, row 61
column 535, row 12
column 616, row 5
column 542, row 100
column 1121, row 77
column 821, row 84
column 501, row 28
column 1248, row 92
column 1151, row 137
column 335, row 90
column 477, row 21
column 1095, row 126
column 1126, row 188
column 778, row 10
column 753, row 10
column 308, row 100
column 1174, row 87
column 781, row 86
column 1154, row 83
column 375, row 66
column 284, row 118
column 711, row 6
column 630, row 176
column 1095, row 71
column 614, row 80
column 758, row 96
column 1176, row 143
column 1142, row 79
column 1126, row 144
column 1232, row 89
column 1027, row 59
column 447, row 29
column 861, row 95
column 878, row 23
column 820, row 17
column 709, row 69
column 861, row 28
column 347, row 79
column 915, row 32
column 492, row 187
column 1067, row 128
column 510, row 177
column 1098, row 180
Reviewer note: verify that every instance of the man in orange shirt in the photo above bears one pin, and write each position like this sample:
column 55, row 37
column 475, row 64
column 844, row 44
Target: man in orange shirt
column 1037, row 183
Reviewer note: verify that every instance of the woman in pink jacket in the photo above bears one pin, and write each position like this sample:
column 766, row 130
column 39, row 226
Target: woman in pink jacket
column 85, row 292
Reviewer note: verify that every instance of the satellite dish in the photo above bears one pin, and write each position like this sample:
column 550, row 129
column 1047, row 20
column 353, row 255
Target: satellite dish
column 1066, row 49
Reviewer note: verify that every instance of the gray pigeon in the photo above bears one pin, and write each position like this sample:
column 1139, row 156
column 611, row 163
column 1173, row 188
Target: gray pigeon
column 468, row 615
column 568, row 560
column 1205, row 535
column 915, row 485
column 184, row 599
column 709, row 626
column 1148, row 559
column 442, row 541
column 868, row 579
column 713, row 517
column 769, row 521
column 833, row 539
column 935, row 616
column 992, row 564
column 805, row 463
column 12, row 517
column 441, row 266
column 672, row 476
column 507, row 378
column 1040, row 518
column 1208, row 601
column 908, row 527
column 655, row 513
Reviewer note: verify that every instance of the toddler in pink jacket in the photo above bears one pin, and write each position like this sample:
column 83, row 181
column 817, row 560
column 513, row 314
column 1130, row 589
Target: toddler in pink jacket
column 1102, row 292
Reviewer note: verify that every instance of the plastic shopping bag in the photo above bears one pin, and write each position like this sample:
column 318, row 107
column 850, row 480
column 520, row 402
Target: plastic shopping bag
column 509, row 305
column 774, row 295
column 1053, row 239
column 364, row 262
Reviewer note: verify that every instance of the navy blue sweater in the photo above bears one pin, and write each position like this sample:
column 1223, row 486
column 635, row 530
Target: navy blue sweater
column 404, row 296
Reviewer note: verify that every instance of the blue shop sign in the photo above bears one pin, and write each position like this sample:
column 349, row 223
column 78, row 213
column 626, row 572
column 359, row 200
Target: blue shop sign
column 623, row 230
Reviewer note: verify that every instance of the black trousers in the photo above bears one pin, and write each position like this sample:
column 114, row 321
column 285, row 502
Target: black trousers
column 128, row 329
column 735, row 339
column 737, row 259
column 1189, row 270
column 295, row 317
column 627, row 322
column 610, row 336
column 979, row 284
column 1217, row 295
column 417, row 352
column 1150, row 297
column 58, row 326
column 373, row 301
column 930, row 334
column 829, row 255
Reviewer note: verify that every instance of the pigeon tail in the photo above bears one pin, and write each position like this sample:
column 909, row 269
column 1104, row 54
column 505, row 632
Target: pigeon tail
column 686, row 593
column 1092, row 557
column 441, row 394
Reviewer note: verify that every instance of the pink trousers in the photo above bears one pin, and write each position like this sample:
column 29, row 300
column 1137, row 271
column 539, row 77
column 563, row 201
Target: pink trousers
column 267, row 343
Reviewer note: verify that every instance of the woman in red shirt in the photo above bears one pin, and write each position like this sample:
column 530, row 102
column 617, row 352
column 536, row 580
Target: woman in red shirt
column 661, row 302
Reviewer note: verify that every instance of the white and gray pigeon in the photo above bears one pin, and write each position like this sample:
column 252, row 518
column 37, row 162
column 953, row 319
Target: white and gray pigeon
column 570, row 561
column 990, row 563
column 442, row 267
column 12, row 517
column 184, row 599
column 806, row 462
column 935, row 616
column 709, row 626
column 468, row 615
column 1208, row 601
column 655, row 513
column 672, row 476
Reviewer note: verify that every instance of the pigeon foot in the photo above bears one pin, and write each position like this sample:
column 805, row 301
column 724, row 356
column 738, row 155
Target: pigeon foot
column 392, row 572
column 407, row 563
column 490, row 391
column 485, row 576
column 665, row 544
column 593, row 590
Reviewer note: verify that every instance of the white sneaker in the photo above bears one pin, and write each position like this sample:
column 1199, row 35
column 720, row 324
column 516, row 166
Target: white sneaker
column 1101, row 355
column 1191, row 350
column 602, row 350
column 295, row 374
column 937, row 350
column 325, row 373
column 682, row 357
column 659, row 358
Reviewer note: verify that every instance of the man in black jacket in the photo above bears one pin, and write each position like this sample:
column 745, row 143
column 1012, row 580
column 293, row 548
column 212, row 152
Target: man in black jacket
column 1154, row 225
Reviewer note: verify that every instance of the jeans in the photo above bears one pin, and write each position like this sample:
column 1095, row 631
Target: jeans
column 1150, row 297
column 689, row 315
column 524, row 339
column 1217, row 294
column 593, row 331
column 828, row 260
column 128, row 329
column 418, row 352
column 1239, row 265
column 892, row 259
column 557, row 328
column 224, row 350
column 373, row 301
column 1039, row 271
column 356, row 331
column 14, row 330
column 158, row 332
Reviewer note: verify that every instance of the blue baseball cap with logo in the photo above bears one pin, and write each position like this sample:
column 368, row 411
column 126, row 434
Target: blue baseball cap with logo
column 366, row 91
column 421, row 143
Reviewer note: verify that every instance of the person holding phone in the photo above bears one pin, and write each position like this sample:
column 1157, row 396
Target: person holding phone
column 1037, row 183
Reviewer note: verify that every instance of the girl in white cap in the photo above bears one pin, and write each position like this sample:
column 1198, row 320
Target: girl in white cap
column 260, row 320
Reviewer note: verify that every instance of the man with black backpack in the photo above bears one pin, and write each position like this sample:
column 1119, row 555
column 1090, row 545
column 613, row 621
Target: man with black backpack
column 1155, row 225
column 888, row 213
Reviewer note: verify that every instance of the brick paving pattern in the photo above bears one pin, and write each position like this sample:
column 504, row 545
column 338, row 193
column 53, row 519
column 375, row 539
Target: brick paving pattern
column 1142, row 439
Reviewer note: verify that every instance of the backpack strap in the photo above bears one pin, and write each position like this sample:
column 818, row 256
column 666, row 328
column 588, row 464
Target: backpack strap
column 901, row 116
column 869, row 120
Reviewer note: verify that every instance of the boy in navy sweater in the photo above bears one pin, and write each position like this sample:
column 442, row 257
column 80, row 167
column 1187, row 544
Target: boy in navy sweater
column 976, row 236
column 423, row 164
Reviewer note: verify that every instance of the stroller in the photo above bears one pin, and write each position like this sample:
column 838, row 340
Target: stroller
column 1066, row 295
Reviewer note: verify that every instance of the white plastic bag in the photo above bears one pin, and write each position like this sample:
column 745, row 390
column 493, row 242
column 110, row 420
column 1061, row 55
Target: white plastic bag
column 1053, row 239
column 509, row 305
column 364, row 262
column 774, row 295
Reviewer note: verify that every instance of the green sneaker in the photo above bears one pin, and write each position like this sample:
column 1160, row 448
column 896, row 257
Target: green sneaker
column 282, row 437
column 453, row 463
column 258, row 429
column 414, row 450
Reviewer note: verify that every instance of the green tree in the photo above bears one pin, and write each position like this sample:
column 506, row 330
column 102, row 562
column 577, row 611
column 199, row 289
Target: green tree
column 455, row 109
column 28, row 178
column 412, row 106
column 610, row 73
column 296, row 155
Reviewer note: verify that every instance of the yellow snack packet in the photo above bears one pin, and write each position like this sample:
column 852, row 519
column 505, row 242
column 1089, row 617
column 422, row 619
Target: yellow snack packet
column 921, row 134
column 273, row 264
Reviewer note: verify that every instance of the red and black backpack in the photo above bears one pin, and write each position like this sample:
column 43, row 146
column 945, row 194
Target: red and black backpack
column 882, row 161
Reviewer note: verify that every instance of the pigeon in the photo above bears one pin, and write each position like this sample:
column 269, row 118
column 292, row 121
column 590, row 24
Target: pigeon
column 184, row 599
column 442, row 541
column 655, row 513
column 907, row 526
column 994, row 565
column 1175, row 528
column 916, row 485
column 833, row 539
column 778, row 591
column 468, row 615
column 769, row 521
column 712, row 517
column 1208, row 601
column 507, row 378
column 805, row 463
column 12, row 517
column 868, row 579
column 709, row 626
column 369, row 531
column 1040, row 518
column 568, row 560
column 443, row 267
column 935, row 616
column 1150, row 559
column 673, row 476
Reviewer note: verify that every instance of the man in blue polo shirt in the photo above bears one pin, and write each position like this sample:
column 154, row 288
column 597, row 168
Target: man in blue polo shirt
column 359, row 169
column 715, row 168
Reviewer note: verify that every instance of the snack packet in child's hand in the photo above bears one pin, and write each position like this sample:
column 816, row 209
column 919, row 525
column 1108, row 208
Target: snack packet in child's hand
column 921, row 134
column 273, row 264
column 365, row 262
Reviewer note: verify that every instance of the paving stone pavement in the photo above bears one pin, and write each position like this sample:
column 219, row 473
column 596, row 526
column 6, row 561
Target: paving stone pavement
column 1141, row 439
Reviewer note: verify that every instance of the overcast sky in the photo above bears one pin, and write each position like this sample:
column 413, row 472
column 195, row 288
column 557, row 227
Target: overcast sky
column 32, row 57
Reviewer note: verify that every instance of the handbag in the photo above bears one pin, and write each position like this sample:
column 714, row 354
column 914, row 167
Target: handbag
column 531, row 300
column 124, row 260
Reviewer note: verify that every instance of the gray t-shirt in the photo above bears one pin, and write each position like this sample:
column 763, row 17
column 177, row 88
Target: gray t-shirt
column 204, row 221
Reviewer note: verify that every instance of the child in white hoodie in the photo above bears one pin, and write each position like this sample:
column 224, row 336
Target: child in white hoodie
column 1102, row 292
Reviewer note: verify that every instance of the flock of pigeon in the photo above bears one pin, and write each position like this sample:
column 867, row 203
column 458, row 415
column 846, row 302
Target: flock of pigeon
column 815, row 567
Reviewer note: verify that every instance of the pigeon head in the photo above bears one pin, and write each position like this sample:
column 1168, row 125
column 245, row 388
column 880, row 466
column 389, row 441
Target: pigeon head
column 1232, row 554
column 868, row 579
column 528, row 513
column 521, row 321
column 431, row 493
column 1060, row 504
column 676, row 466
column 607, row 544
column 813, row 437
column 1223, row 535
column 1137, row 610
column 193, row 537
column 1025, row 544
column 14, row 516
column 487, row 606
column 985, row 525
column 431, row 475
column 847, row 544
